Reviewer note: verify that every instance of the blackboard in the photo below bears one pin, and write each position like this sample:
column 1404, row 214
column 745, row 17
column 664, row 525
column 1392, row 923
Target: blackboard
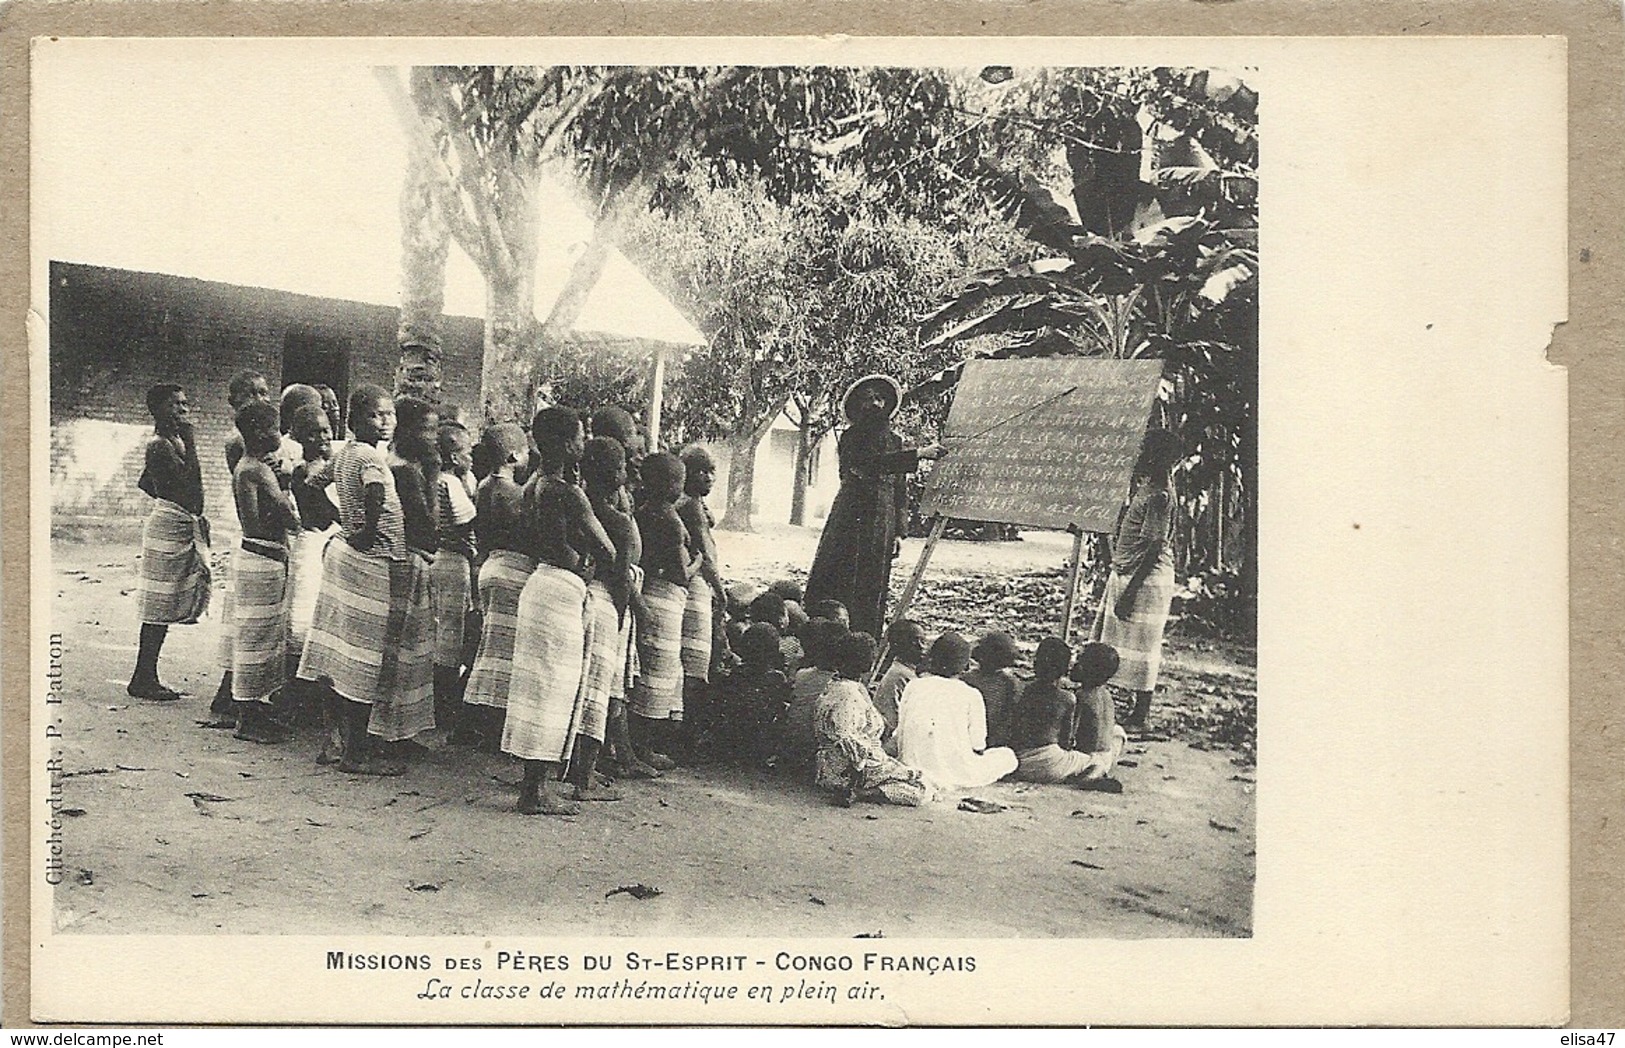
column 1043, row 443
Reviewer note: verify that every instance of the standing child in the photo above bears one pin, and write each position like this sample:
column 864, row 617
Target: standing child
column 414, row 460
column 942, row 725
column 259, row 579
column 706, row 594
column 503, row 574
column 312, row 489
column 616, row 516
column 997, row 683
column 619, row 586
column 657, row 699
column 451, row 577
column 174, row 585
column 378, row 662
column 244, row 388
column 554, row 619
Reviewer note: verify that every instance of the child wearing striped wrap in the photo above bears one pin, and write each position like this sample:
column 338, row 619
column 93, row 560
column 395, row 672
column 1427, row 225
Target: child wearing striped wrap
column 259, row 579
column 371, row 638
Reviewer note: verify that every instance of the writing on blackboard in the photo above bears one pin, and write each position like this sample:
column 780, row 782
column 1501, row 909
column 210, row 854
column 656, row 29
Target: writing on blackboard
column 1047, row 443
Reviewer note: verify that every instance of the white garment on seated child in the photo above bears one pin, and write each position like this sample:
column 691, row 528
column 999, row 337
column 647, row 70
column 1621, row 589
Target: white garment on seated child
column 941, row 723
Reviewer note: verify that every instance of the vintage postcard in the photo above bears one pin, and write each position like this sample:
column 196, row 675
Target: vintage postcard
column 798, row 530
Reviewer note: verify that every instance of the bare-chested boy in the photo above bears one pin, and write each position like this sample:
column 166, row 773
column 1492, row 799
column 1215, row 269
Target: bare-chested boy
column 603, row 471
column 1046, row 721
column 505, row 567
column 707, row 595
column 554, row 623
column 657, row 700
column 259, row 578
column 451, row 578
column 244, row 388
column 175, row 581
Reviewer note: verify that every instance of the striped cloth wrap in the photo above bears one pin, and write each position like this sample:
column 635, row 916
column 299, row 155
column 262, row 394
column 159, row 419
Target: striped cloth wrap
column 658, row 693
column 1137, row 637
column 502, row 580
column 697, row 630
column 305, row 549
column 372, row 637
column 259, row 599
column 451, row 594
column 606, row 660
column 227, row 616
column 174, row 583
column 549, row 657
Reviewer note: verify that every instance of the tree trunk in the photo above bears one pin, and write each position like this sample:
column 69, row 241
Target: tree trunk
column 504, row 375
column 798, row 488
column 742, row 475
column 425, row 241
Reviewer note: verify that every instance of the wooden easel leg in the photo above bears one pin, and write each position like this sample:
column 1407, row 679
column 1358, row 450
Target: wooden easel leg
column 1071, row 587
column 907, row 597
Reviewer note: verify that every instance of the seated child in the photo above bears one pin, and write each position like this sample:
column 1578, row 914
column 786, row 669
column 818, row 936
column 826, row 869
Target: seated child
column 769, row 608
column 831, row 609
column 796, row 738
column 1096, row 730
column 849, row 760
column 798, row 617
column 740, row 596
column 789, row 589
column 752, row 705
column 1046, row 717
column 905, row 640
column 942, row 724
column 993, row 677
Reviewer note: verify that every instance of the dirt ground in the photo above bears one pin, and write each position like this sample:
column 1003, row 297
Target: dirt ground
column 172, row 828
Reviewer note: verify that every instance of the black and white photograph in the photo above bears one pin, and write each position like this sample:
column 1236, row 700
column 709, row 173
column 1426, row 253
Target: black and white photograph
column 781, row 502
column 726, row 481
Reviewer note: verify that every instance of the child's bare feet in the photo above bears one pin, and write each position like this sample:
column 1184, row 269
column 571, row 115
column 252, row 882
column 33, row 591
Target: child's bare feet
column 597, row 792
column 657, row 761
column 545, row 801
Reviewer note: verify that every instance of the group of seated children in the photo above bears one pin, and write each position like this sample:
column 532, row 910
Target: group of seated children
column 799, row 696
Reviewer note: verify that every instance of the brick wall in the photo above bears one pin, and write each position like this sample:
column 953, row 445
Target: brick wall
column 114, row 333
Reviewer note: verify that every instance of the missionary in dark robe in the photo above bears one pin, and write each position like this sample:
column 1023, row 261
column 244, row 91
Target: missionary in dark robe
column 860, row 537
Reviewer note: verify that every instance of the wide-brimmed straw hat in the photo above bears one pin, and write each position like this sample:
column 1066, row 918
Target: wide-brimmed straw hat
column 889, row 388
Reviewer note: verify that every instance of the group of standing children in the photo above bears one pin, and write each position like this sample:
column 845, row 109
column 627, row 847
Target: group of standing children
column 512, row 591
